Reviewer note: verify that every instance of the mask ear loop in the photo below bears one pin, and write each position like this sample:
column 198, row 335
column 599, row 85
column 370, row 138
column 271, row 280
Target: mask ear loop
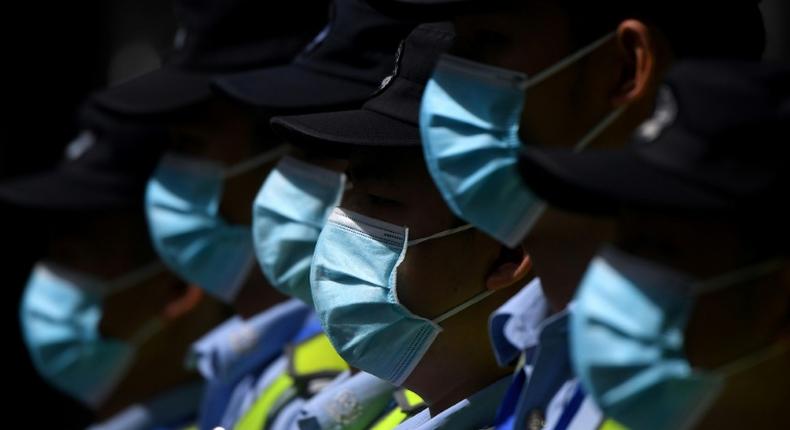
column 257, row 161
column 598, row 129
column 471, row 302
column 463, row 306
column 240, row 169
column 738, row 277
column 755, row 359
column 537, row 213
column 137, row 276
column 151, row 327
column 576, row 56
column 155, row 324
column 611, row 117
column 440, row 235
column 732, row 369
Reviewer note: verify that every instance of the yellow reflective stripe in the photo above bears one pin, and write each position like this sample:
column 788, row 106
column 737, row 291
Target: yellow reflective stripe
column 255, row 417
column 398, row 415
column 316, row 355
column 412, row 399
column 391, row 420
column 610, row 424
column 192, row 427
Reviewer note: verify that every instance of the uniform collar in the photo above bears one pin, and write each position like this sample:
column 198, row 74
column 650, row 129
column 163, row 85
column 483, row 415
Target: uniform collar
column 515, row 327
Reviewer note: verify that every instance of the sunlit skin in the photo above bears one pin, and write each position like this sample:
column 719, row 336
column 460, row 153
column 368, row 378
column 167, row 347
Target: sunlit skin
column 394, row 186
column 728, row 324
column 110, row 247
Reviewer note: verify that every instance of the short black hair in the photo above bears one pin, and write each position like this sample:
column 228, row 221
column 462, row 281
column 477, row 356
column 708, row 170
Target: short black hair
column 694, row 29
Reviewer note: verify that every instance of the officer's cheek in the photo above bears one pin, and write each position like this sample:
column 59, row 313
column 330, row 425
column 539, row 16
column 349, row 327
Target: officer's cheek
column 422, row 277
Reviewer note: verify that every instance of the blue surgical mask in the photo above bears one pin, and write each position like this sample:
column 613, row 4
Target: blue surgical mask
column 627, row 341
column 182, row 204
column 353, row 279
column 469, row 123
column 288, row 215
column 60, row 314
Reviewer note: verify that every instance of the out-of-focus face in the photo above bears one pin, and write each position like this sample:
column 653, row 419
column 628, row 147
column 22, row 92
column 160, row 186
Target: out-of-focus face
column 223, row 133
column 726, row 323
column 737, row 324
column 113, row 246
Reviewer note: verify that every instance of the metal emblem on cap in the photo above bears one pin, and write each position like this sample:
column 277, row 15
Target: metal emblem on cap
column 664, row 115
column 180, row 38
column 80, row 145
column 319, row 39
column 386, row 81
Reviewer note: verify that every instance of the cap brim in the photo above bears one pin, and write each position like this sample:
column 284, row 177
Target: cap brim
column 104, row 169
column 606, row 181
column 292, row 89
column 161, row 92
column 62, row 190
column 348, row 129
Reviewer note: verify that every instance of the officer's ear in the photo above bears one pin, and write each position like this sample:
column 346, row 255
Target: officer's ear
column 511, row 268
column 184, row 303
column 639, row 52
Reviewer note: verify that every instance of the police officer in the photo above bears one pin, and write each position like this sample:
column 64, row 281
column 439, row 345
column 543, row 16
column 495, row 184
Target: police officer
column 418, row 335
column 681, row 322
column 102, row 320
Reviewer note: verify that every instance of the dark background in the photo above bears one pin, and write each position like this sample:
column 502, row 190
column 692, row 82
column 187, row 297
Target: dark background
column 56, row 54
